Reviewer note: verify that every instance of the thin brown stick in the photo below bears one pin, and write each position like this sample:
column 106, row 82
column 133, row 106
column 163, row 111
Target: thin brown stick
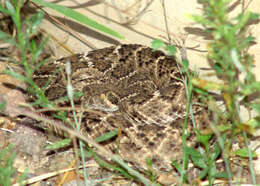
column 67, row 28
column 100, row 150
column 135, row 18
column 166, row 22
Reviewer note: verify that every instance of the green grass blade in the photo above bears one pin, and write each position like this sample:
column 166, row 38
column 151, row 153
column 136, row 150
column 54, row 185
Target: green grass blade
column 5, row 37
column 3, row 10
column 106, row 136
column 59, row 144
column 79, row 17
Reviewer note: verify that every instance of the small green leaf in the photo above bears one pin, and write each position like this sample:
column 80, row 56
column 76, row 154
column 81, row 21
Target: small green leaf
column 61, row 115
column 251, row 125
column 203, row 173
column 218, row 68
column 251, row 88
column 212, row 170
column 256, row 106
column 197, row 158
column 254, row 122
column 199, row 162
column 249, row 39
column 7, row 38
column 156, row 44
column 106, row 136
column 16, row 75
column 254, row 16
column 59, row 144
column 204, row 139
column 10, row 8
column 149, row 162
column 236, row 61
column 177, row 166
column 244, row 153
column 221, row 175
column 34, row 22
column 223, row 127
column 40, row 48
column 216, row 152
column 192, row 152
column 171, row 49
column 185, row 64
column 3, row 10
column 200, row 91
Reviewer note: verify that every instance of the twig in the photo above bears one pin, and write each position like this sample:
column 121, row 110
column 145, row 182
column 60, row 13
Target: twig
column 166, row 22
column 134, row 19
column 100, row 150
column 67, row 28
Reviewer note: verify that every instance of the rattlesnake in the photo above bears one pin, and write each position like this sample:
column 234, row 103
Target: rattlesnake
column 136, row 90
